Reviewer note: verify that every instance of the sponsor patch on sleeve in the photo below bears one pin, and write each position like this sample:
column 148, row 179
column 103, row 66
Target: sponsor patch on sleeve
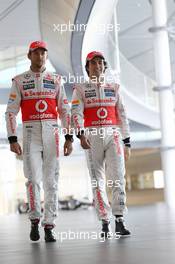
column 12, row 96
column 10, row 101
column 65, row 101
column 75, row 102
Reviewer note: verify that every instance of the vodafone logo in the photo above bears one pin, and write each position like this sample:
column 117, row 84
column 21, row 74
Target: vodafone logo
column 102, row 113
column 41, row 106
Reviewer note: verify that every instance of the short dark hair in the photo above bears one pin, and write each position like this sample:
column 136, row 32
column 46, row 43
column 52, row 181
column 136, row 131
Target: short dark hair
column 87, row 65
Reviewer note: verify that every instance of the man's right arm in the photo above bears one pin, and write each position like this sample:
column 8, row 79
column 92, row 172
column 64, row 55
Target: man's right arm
column 12, row 110
column 77, row 110
column 78, row 118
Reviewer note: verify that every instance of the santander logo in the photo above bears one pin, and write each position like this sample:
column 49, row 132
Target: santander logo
column 102, row 113
column 41, row 106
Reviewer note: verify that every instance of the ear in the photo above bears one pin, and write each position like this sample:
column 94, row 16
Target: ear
column 47, row 56
column 29, row 55
column 87, row 66
column 105, row 66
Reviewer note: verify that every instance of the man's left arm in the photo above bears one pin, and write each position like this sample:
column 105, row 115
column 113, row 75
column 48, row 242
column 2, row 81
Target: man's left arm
column 124, row 126
column 65, row 117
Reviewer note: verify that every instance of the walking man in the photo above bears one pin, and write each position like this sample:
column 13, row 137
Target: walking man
column 100, row 120
column 41, row 97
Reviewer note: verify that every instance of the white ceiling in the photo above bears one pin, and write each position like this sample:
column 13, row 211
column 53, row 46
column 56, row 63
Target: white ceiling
column 135, row 18
column 19, row 23
column 60, row 12
column 23, row 21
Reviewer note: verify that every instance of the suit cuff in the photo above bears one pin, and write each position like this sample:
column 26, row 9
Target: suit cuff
column 80, row 133
column 12, row 139
column 127, row 142
column 69, row 137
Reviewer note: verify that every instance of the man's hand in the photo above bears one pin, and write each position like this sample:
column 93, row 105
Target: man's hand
column 16, row 148
column 84, row 142
column 127, row 153
column 67, row 148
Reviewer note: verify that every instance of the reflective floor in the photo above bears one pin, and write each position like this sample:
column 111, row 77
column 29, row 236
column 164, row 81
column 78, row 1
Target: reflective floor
column 152, row 240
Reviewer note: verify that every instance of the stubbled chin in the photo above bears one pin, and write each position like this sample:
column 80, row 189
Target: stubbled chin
column 40, row 64
column 98, row 71
column 98, row 74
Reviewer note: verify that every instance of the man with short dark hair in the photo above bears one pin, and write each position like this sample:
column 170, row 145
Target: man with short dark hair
column 41, row 97
column 97, row 105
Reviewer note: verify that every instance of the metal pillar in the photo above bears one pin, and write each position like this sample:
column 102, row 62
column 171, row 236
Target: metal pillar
column 164, row 81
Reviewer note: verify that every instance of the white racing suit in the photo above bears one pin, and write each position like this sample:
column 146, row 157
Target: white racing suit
column 41, row 98
column 101, row 109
